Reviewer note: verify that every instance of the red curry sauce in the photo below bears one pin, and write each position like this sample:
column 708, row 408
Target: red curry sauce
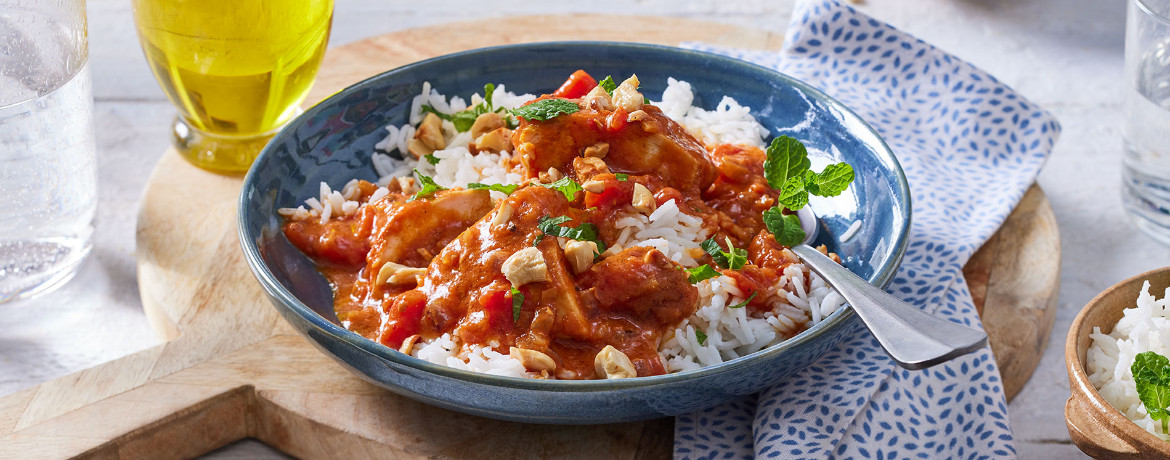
column 629, row 299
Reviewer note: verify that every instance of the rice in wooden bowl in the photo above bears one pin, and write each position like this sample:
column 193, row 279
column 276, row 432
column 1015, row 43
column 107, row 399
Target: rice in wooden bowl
column 1095, row 425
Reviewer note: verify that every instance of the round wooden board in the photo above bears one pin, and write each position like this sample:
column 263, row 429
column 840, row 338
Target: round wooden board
column 231, row 368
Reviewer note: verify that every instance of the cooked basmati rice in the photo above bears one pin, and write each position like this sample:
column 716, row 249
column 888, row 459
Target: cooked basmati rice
column 799, row 299
column 1145, row 327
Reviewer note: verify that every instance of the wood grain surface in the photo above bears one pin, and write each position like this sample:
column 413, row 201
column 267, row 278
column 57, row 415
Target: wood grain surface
column 231, row 368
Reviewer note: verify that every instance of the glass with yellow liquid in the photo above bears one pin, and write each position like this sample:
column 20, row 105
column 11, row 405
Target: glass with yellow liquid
column 237, row 70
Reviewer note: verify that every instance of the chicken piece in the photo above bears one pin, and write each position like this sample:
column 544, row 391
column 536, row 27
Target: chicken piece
column 411, row 232
column 642, row 282
column 471, row 266
column 656, row 145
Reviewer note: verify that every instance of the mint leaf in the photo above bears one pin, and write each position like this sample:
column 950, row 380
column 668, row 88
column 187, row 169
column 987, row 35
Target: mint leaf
column 733, row 259
column 833, row 180
column 566, row 186
column 622, row 176
column 431, row 158
column 427, row 108
column 584, row 232
column 429, row 187
column 700, row 273
column 785, row 228
column 702, row 336
column 507, row 189
column 517, row 302
column 463, row 120
column 608, row 84
column 745, row 302
column 793, row 194
column 787, row 158
column 1151, row 376
column 488, row 90
column 546, row 109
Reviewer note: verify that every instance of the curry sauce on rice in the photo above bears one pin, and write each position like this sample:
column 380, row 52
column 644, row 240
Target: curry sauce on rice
column 583, row 234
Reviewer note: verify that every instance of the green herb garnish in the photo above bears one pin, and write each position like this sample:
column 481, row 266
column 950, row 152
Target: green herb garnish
column 431, row 158
column 733, row 259
column 517, row 302
column 546, row 109
column 584, row 232
column 700, row 273
column 429, row 187
column 622, row 176
column 702, row 336
column 1151, row 376
column 745, row 302
column 787, row 170
column 463, row 120
column 507, row 189
column 428, row 108
column 608, row 84
column 566, row 186
column 785, row 227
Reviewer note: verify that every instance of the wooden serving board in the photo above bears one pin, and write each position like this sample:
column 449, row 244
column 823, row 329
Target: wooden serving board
column 231, row 368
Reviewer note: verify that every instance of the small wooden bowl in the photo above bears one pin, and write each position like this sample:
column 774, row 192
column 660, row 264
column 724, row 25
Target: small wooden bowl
column 1095, row 426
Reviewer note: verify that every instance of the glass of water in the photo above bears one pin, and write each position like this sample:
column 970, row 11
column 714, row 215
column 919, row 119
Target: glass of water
column 1146, row 168
column 48, row 170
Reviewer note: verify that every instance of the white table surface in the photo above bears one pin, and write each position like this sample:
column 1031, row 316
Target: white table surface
column 1065, row 55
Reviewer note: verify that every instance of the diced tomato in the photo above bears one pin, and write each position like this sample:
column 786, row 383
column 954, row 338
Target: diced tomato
column 669, row 193
column 749, row 280
column 616, row 120
column 404, row 318
column 613, row 195
column 498, row 306
column 340, row 242
column 579, row 84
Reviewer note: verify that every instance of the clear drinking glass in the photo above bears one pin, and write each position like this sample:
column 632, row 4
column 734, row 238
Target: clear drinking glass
column 48, row 166
column 1146, row 167
column 236, row 69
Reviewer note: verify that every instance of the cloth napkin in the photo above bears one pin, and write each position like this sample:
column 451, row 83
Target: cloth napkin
column 970, row 147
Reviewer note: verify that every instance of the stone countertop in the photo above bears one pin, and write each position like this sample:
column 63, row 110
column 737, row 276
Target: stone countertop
column 1065, row 55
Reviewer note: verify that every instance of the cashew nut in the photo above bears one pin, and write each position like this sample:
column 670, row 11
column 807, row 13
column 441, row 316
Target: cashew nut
column 580, row 254
column 637, row 115
column 394, row 273
column 430, row 132
column 611, row 363
column 497, row 140
column 533, row 360
column 643, row 200
column 598, row 150
column 503, row 213
column 593, row 186
column 408, row 344
column 627, row 96
column 525, row 266
column 598, row 99
column 485, row 123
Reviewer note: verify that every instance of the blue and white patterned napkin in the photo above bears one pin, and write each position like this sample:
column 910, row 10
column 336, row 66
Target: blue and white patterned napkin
column 970, row 147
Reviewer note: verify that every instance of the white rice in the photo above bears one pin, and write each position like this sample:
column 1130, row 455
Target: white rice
column 1145, row 327
column 728, row 123
column 799, row 299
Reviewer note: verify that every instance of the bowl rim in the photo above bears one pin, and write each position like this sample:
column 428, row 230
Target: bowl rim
column 1079, row 377
column 276, row 290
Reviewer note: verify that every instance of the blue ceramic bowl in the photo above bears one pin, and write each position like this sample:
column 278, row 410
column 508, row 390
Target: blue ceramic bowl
column 333, row 141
